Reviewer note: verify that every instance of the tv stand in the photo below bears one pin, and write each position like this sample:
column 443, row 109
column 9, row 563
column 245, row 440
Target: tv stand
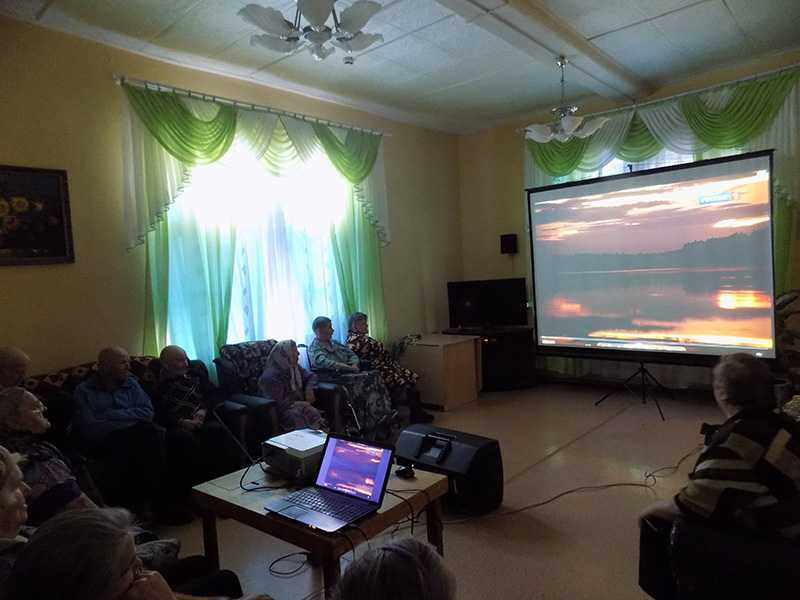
column 507, row 356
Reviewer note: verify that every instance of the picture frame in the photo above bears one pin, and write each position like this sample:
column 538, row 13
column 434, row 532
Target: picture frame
column 35, row 223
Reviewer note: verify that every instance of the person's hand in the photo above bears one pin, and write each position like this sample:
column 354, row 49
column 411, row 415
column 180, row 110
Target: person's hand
column 200, row 416
column 666, row 510
column 310, row 398
column 188, row 424
column 353, row 368
column 150, row 585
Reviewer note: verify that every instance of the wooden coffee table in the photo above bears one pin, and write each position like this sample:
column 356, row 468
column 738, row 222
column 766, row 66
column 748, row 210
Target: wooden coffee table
column 223, row 497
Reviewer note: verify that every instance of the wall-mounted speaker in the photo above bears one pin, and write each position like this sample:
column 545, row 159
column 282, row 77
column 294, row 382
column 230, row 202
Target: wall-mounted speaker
column 508, row 243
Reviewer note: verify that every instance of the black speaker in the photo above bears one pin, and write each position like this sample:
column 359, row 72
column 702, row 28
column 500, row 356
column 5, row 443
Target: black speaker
column 508, row 243
column 472, row 463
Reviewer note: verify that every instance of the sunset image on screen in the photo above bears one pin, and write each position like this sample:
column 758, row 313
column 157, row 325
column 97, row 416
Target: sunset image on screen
column 676, row 266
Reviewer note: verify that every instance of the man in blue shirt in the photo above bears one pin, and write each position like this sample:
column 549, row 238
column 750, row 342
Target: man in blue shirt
column 112, row 419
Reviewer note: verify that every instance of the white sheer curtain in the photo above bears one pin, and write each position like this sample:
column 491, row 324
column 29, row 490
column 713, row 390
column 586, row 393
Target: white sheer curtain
column 284, row 271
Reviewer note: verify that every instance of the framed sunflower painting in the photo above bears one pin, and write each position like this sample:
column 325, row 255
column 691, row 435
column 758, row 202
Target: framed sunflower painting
column 35, row 226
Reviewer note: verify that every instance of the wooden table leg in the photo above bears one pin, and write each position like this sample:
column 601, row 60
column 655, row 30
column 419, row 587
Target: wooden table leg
column 435, row 527
column 331, row 571
column 210, row 541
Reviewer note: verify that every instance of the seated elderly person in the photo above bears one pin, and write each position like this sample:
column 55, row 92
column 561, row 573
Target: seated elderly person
column 90, row 554
column 184, row 401
column 369, row 396
column 400, row 570
column 112, row 418
column 53, row 485
column 291, row 387
column 14, row 365
column 13, row 513
column 746, row 477
column 399, row 380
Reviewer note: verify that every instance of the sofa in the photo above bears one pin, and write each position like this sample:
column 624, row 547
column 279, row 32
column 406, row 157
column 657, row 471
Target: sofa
column 55, row 390
column 239, row 367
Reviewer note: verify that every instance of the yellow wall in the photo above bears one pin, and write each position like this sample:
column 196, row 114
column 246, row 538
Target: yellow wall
column 59, row 108
column 492, row 180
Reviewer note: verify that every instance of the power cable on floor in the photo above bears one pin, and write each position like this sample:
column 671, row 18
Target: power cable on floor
column 650, row 481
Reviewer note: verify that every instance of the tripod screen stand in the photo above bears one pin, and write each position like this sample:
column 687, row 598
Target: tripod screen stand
column 645, row 376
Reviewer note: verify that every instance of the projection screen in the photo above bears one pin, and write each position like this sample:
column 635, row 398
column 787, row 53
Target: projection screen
column 672, row 261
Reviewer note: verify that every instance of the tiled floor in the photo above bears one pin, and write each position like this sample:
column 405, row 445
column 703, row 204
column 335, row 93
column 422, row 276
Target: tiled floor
column 584, row 545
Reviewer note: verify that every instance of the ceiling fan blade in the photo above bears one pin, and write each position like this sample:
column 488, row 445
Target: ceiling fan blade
column 276, row 44
column 268, row 19
column 539, row 133
column 358, row 42
column 355, row 17
column 316, row 12
column 590, row 127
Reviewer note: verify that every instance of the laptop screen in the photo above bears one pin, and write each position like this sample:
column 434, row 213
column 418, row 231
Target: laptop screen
column 354, row 468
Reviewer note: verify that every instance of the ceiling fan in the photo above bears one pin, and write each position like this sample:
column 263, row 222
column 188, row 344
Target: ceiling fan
column 568, row 125
column 310, row 27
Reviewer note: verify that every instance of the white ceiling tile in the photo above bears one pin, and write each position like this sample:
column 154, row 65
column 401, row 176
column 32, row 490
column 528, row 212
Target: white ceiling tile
column 464, row 39
column 243, row 53
column 411, row 15
column 207, row 28
column 593, row 18
column 776, row 28
column 141, row 19
column 416, row 54
column 688, row 29
column 644, row 50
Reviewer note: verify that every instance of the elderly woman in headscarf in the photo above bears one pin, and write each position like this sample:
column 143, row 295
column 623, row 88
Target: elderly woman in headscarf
column 292, row 388
column 400, row 381
column 53, row 486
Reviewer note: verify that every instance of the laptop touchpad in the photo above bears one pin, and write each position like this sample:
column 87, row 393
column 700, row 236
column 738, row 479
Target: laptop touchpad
column 294, row 512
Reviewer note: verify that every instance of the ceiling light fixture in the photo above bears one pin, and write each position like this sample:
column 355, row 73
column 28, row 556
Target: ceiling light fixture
column 282, row 35
column 568, row 124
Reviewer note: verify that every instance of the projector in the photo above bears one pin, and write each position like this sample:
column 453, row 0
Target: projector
column 297, row 454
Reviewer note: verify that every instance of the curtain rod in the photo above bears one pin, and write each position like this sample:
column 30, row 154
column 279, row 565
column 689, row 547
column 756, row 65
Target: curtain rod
column 152, row 85
column 708, row 88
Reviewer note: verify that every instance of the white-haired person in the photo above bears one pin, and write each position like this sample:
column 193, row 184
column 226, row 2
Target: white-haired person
column 746, row 478
column 14, row 365
column 90, row 554
column 403, row 570
column 46, row 471
column 13, row 513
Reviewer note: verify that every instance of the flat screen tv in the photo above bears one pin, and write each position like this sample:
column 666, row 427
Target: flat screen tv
column 489, row 303
column 671, row 262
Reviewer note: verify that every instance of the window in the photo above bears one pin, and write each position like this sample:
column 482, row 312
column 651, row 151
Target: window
column 265, row 237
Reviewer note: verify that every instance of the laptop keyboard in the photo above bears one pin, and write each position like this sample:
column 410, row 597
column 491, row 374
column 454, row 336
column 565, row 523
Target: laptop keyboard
column 333, row 505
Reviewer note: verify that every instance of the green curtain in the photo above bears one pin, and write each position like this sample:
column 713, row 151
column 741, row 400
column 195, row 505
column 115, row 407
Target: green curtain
column 191, row 140
column 156, row 288
column 355, row 157
column 357, row 255
column 201, row 258
column 751, row 108
column 638, row 144
column 559, row 158
column 281, row 152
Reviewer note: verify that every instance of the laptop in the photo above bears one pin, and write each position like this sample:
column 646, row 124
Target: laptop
column 350, row 484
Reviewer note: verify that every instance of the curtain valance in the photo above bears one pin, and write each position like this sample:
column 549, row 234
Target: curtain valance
column 166, row 134
column 187, row 138
column 727, row 118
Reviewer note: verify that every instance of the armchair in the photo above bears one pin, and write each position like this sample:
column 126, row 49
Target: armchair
column 239, row 367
